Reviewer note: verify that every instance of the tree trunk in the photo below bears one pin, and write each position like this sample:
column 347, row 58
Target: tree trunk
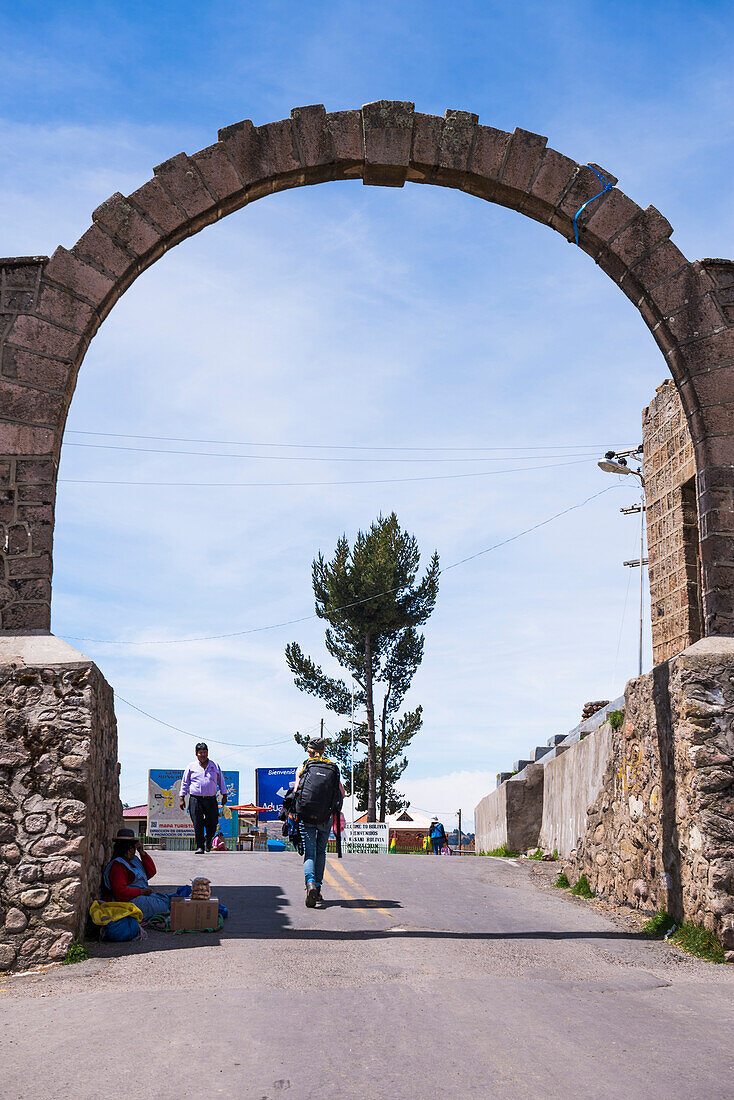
column 371, row 748
column 383, row 762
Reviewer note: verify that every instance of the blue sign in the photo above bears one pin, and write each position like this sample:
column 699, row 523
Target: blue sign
column 165, row 818
column 271, row 786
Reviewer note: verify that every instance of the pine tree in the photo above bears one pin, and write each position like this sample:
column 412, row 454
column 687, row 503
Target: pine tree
column 372, row 603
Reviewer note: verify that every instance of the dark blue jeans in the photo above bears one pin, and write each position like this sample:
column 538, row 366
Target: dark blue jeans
column 315, row 839
column 437, row 842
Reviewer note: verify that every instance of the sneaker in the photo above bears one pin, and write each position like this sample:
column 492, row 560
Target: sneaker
column 312, row 895
column 199, row 852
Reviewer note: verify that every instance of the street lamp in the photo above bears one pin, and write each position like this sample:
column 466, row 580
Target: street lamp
column 615, row 462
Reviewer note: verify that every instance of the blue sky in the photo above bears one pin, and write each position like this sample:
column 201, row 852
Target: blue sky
column 356, row 316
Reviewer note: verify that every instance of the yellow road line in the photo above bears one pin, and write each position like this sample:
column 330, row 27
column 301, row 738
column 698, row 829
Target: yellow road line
column 360, row 889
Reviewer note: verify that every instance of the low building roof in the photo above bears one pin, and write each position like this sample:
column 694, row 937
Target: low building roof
column 135, row 811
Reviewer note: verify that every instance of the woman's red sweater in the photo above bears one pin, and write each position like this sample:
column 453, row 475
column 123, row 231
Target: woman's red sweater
column 120, row 876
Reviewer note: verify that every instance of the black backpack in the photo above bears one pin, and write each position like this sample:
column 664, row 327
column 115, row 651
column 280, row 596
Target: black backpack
column 318, row 796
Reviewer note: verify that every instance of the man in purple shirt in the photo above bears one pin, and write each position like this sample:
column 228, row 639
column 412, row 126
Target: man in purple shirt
column 201, row 781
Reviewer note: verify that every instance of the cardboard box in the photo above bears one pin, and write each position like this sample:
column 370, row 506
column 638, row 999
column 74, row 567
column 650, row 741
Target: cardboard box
column 194, row 916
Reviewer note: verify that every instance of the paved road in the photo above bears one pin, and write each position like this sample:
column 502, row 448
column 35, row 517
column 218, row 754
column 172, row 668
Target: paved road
column 423, row 978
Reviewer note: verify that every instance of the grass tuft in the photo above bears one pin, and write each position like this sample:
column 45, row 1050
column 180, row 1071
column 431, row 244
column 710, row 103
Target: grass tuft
column 582, row 888
column 696, row 940
column 537, row 854
column 657, row 925
column 562, row 882
column 76, row 953
column 503, row 851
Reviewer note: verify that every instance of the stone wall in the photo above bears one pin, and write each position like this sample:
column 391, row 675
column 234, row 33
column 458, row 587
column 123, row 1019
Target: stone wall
column 672, row 526
column 511, row 814
column 59, row 795
column 660, row 833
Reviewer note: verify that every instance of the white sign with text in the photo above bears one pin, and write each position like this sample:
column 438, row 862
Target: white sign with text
column 367, row 837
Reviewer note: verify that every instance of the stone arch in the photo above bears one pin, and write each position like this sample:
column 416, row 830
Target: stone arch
column 51, row 308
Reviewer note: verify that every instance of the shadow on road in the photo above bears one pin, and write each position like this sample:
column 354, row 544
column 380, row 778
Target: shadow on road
column 360, row 903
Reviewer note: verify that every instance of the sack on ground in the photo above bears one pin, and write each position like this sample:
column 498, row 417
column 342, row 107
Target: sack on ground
column 126, row 928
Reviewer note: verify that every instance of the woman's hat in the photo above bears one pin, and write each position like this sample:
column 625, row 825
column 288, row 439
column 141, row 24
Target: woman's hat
column 126, row 834
column 317, row 743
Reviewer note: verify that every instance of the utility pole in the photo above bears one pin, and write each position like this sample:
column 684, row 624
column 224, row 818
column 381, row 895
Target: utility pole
column 459, row 832
column 321, row 735
column 351, row 725
column 615, row 462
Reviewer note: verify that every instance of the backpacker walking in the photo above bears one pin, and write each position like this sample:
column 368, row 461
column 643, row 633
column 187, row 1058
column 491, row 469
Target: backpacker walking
column 318, row 794
column 437, row 835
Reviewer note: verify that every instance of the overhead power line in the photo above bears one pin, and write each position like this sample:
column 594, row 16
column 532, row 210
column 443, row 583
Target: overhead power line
column 354, row 603
column 312, row 484
column 197, row 736
column 332, row 446
column 306, row 458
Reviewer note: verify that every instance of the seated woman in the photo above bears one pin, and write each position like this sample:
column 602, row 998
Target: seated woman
column 218, row 844
column 126, row 876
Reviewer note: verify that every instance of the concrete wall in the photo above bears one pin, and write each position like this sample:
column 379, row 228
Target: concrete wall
column 572, row 782
column 511, row 814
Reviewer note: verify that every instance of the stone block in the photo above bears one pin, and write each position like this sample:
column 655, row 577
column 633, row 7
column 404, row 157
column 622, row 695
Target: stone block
column 312, row 135
column 695, row 319
column 245, row 148
column 523, row 158
column 387, row 127
column 154, row 201
column 40, row 371
column 15, row 921
column 35, row 897
column 98, row 247
column 218, row 172
column 457, row 140
column 68, row 269
column 126, row 225
column 64, row 308
column 43, row 337
column 553, row 177
column 488, row 153
column 426, row 142
column 345, row 128
column 183, row 183
column 644, row 233
column 279, row 145
column 611, row 216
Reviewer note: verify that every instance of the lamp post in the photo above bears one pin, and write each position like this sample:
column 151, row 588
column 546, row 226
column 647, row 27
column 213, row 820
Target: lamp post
column 615, row 462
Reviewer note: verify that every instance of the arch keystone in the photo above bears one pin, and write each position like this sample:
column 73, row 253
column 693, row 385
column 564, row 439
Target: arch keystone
column 387, row 126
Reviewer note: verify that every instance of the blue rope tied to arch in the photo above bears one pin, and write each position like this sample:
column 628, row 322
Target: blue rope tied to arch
column 608, row 185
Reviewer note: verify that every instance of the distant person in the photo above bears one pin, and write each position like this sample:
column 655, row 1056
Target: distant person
column 201, row 781
column 218, row 843
column 126, row 876
column 318, row 794
column 437, row 834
